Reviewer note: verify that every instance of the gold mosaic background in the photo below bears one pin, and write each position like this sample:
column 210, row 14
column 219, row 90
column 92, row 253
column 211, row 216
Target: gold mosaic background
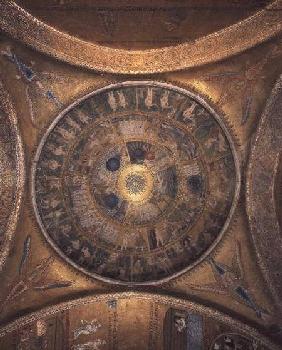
column 230, row 55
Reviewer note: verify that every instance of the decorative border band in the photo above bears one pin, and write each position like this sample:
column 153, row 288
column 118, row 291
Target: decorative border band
column 261, row 179
column 229, row 41
column 164, row 299
column 8, row 108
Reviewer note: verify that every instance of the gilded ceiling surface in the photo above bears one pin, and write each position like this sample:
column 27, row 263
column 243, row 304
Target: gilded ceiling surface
column 140, row 175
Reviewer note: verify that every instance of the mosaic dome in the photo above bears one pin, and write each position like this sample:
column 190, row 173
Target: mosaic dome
column 136, row 182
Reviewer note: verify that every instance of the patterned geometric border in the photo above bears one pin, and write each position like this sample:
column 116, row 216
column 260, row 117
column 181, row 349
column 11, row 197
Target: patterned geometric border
column 229, row 41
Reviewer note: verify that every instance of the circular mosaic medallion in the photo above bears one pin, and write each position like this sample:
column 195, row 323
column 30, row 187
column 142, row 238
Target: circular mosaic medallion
column 135, row 182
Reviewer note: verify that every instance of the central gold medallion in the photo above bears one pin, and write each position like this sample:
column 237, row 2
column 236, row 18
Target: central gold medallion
column 135, row 183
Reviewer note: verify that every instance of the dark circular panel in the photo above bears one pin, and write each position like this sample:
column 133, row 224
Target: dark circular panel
column 135, row 182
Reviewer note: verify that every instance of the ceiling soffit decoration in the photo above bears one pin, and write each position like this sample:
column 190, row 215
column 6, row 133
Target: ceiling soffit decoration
column 99, row 322
column 229, row 41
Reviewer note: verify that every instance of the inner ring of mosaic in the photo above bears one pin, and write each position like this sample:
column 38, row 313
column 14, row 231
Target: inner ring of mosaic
column 134, row 183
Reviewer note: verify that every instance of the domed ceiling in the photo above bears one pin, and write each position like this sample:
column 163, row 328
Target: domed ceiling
column 136, row 182
column 140, row 175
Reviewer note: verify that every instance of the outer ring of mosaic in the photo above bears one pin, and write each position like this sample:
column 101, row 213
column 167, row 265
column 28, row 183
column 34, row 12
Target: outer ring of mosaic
column 167, row 300
column 188, row 93
column 229, row 41
column 7, row 106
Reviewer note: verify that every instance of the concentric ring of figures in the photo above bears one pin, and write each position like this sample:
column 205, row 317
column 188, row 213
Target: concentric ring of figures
column 135, row 182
